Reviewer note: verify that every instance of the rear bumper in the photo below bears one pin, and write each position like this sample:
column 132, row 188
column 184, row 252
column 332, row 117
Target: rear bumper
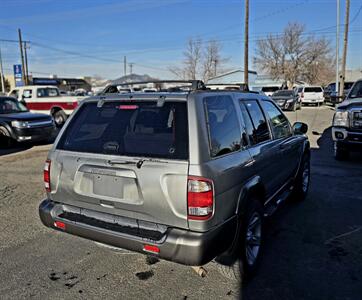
column 177, row 245
column 312, row 101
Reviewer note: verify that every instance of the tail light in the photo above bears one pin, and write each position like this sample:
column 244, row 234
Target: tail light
column 151, row 249
column 302, row 95
column 200, row 198
column 47, row 175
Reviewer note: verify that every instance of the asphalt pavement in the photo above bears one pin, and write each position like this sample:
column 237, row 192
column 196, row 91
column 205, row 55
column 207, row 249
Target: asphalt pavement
column 313, row 249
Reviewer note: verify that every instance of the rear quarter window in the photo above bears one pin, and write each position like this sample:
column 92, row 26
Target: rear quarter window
column 130, row 129
column 223, row 125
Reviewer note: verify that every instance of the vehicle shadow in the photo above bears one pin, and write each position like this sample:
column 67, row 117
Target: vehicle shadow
column 14, row 149
column 17, row 147
column 296, row 262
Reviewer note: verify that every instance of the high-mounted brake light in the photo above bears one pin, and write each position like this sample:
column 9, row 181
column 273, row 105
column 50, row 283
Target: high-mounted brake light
column 47, row 175
column 127, row 107
column 200, row 198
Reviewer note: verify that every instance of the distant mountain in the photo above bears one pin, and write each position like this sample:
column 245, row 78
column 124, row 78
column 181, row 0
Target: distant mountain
column 133, row 78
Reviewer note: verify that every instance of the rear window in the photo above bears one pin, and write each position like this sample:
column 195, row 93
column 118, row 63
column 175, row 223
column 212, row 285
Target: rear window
column 313, row 90
column 130, row 129
column 270, row 88
column 348, row 85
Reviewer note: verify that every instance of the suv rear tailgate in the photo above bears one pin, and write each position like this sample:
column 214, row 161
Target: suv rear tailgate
column 128, row 160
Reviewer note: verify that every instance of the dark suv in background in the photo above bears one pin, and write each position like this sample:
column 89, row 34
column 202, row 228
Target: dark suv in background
column 17, row 124
column 330, row 95
column 187, row 176
column 287, row 99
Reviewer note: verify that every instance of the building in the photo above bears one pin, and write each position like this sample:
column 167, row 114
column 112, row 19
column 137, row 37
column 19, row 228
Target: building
column 64, row 84
column 353, row 75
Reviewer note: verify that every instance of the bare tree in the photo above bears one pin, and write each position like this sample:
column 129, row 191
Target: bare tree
column 201, row 61
column 193, row 55
column 294, row 56
column 212, row 62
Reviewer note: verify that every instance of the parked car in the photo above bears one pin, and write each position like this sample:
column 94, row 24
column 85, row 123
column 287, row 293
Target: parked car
column 330, row 95
column 269, row 90
column 187, row 177
column 347, row 123
column 287, row 99
column 312, row 95
column 17, row 124
column 48, row 100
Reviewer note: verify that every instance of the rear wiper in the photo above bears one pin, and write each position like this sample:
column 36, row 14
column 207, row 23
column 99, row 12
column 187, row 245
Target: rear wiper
column 138, row 163
column 121, row 162
column 126, row 162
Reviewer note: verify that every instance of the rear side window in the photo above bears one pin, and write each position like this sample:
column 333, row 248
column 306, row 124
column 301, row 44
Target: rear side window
column 260, row 127
column 223, row 125
column 249, row 127
column 27, row 94
column 130, row 129
column 279, row 122
column 313, row 90
column 47, row 92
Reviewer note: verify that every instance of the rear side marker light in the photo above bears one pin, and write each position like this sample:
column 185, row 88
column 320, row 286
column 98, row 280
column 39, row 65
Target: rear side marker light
column 46, row 176
column 200, row 198
column 152, row 249
column 59, row 225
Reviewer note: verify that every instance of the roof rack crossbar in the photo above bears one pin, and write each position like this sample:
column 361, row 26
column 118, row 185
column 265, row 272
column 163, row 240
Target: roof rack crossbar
column 195, row 84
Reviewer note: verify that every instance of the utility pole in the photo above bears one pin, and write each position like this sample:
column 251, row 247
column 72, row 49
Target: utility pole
column 125, row 65
column 345, row 42
column 2, row 74
column 26, row 71
column 22, row 57
column 337, row 51
column 246, row 44
column 130, row 68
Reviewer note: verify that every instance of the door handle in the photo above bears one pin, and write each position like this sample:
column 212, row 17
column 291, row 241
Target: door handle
column 249, row 162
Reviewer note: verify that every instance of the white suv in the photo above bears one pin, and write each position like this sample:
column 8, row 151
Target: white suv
column 312, row 95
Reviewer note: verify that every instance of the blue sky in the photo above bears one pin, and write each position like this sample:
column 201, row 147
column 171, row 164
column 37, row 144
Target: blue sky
column 152, row 33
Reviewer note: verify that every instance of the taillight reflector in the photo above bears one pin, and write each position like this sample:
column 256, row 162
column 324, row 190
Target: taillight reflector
column 59, row 225
column 46, row 174
column 151, row 248
column 200, row 198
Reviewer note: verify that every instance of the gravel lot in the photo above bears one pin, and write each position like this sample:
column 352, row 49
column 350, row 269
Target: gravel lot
column 313, row 249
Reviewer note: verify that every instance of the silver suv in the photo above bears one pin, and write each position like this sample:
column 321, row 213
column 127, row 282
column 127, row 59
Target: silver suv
column 188, row 176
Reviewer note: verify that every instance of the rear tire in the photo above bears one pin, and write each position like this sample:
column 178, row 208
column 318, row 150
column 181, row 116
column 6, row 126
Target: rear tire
column 59, row 118
column 246, row 254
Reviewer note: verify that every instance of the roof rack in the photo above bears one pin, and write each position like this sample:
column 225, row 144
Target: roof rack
column 195, row 85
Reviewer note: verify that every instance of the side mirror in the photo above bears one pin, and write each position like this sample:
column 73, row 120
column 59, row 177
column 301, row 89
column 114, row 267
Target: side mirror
column 300, row 128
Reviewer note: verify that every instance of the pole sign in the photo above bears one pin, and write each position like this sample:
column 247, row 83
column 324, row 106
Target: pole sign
column 18, row 75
